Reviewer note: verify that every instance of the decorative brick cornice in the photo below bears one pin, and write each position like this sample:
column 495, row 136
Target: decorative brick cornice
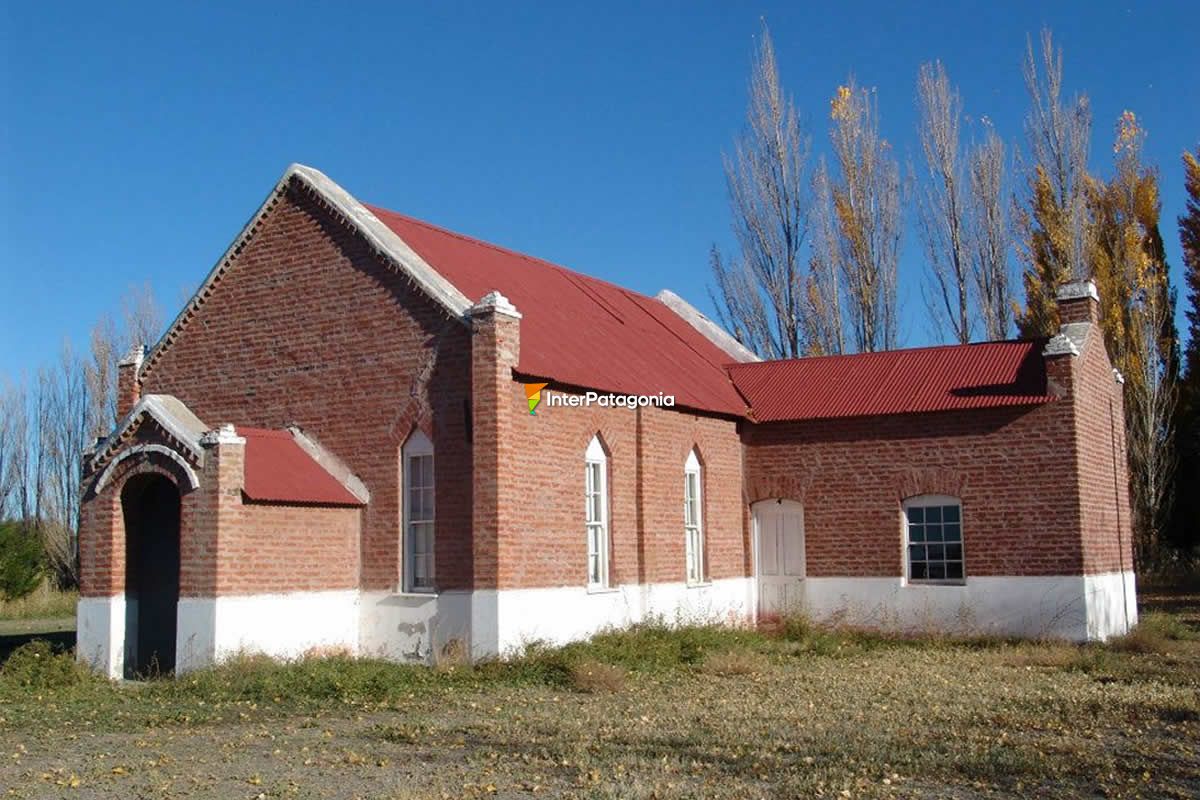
column 179, row 426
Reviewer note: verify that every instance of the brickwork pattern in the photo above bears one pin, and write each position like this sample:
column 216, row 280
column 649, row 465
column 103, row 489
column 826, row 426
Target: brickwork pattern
column 1013, row 469
column 646, row 451
column 310, row 327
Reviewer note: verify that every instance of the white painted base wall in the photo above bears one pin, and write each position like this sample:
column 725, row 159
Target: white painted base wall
column 564, row 614
column 100, row 634
column 1074, row 607
column 278, row 625
column 412, row 627
column 1111, row 603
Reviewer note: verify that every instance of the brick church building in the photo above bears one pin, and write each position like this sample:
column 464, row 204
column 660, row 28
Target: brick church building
column 340, row 444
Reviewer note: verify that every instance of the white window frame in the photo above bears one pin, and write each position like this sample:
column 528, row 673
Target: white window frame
column 595, row 515
column 926, row 501
column 693, row 520
column 419, row 534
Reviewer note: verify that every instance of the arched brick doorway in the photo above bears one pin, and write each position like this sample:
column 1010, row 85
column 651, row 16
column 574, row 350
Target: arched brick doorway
column 150, row 506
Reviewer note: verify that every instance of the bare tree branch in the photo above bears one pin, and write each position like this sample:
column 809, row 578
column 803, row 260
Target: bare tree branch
column 761, row 292
column 990, row 236
column 861, row 231
column 943, row 206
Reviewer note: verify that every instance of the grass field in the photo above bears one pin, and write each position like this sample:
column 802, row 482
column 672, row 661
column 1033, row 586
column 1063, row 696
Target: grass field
column 43, row 603
column 697, row 712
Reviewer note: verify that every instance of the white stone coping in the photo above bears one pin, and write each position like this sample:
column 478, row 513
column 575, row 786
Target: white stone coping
column 331, row 464
column 133, row 357
column 169, row 412
column 707, row 328
column 1069, row 340
column 225, row 435
column 1077, row 290
column 495, row 302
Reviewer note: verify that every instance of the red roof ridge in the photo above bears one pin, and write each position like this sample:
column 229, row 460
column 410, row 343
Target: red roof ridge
column 1038, row 340
column 499, row 248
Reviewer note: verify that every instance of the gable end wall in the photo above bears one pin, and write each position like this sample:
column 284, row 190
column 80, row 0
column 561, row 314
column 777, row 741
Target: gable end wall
column 309, row 326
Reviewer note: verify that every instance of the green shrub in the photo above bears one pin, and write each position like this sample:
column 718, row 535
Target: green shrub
column 36, row 666
column 261, row 679
column 22, row 560
column 658, row 647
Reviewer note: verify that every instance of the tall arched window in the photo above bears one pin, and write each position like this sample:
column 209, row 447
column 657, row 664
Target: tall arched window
column 418, row 500
column 595, row 489
column 693, row 522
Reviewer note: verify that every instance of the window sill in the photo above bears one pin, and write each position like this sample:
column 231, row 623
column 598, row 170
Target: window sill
column 603, row 589
column 910, row 582
column 699, row 585
column 417, row 594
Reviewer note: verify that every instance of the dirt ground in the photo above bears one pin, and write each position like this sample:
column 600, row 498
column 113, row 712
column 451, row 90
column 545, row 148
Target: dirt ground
column 827, row 717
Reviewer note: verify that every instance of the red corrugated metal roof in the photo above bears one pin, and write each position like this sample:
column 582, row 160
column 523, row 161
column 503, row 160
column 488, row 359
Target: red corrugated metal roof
column 279, row 470
column 578, row 330
column 895, row 382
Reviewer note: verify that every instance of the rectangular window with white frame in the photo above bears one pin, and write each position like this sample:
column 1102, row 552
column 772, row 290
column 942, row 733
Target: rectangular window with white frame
column 418, row 499
column 693, row 522
column 933, row 540
column 595, row 489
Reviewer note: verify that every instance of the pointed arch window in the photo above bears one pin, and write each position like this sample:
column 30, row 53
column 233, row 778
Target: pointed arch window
column 595, row 490
column 418, row 500
column 693, row 522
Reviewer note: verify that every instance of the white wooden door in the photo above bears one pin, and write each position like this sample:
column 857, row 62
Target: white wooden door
column 779, row 549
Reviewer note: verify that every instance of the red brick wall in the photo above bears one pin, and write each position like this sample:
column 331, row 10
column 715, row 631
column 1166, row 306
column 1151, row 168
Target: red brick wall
column 102, row 543
column 1013, row 469
column 1103, row 469
column 1039, row 492
column 310, row 327
column 646, row 451
column 269, row 548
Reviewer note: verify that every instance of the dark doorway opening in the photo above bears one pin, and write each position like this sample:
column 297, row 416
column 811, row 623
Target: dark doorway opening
column 150, row 504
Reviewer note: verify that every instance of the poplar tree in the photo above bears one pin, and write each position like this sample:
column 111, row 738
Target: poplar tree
column 1053, row 219
column 1128, row 263
column 858, row 211
column 761, row 291
column 1186, row 525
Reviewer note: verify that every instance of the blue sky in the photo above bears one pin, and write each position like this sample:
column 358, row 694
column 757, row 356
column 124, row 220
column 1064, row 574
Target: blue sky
column 136, row 140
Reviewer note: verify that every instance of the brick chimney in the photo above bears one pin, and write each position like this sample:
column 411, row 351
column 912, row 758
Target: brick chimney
column 129, row 387
column 1078, row 302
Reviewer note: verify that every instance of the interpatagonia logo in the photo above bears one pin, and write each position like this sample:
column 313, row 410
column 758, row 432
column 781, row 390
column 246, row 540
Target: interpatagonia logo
column 533, row 395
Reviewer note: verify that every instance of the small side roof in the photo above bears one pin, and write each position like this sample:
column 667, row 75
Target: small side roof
column 279, row 470
column 953, row 377
column 171, row 415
